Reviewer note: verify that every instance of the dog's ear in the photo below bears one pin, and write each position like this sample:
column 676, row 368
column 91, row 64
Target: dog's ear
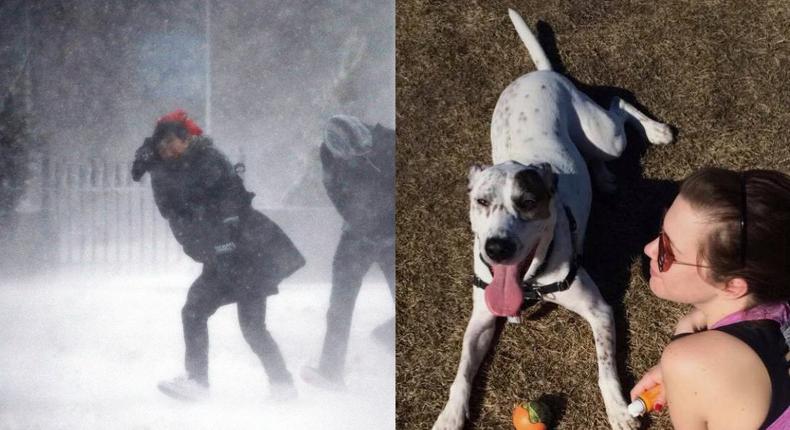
column 548, row 176
column 474, row 170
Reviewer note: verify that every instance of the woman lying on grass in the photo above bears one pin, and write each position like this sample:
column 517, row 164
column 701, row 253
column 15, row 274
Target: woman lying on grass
column 724, row 248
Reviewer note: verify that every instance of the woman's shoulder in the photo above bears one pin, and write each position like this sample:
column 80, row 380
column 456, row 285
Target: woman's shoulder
column 206, row 152
column 710, row 347
column 203, row 145
column 717, row 360
column 709, row 374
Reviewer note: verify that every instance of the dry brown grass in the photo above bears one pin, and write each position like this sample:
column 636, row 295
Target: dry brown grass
column 715, row 70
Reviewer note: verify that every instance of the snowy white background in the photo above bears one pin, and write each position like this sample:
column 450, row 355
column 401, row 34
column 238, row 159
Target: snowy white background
column 85, row 351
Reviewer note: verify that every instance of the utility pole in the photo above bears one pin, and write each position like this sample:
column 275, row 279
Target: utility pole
column 208, row 66
column 28, row 97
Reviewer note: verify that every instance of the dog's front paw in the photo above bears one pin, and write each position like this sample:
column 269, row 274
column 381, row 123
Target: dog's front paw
column 452, row 417
column 658, row 133
column 616, row 407
column 620, row 419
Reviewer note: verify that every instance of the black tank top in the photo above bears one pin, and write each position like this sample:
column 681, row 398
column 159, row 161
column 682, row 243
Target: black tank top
column 766, row 339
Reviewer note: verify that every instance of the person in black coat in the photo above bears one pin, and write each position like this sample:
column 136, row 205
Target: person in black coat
column 359, row 176
column 244, row 254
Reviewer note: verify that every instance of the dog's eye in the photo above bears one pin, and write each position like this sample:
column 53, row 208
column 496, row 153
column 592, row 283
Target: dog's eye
column 483, row 202
column 526, row 204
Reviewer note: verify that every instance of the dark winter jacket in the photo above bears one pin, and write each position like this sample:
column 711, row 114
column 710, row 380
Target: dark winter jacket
column 210, row 213
column 363, row 188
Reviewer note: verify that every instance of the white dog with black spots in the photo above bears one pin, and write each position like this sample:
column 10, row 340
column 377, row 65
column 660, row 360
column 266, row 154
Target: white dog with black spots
column 529, row 213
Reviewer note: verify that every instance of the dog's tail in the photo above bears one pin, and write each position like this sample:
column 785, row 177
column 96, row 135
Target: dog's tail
column 533, row 46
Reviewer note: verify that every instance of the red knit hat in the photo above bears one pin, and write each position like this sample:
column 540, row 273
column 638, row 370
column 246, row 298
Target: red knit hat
column 180, row 116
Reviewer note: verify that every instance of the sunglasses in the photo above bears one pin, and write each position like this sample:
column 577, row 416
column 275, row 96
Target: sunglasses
column 666, row 258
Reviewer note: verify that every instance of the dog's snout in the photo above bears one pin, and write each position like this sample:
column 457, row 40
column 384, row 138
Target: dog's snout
column 500, row 248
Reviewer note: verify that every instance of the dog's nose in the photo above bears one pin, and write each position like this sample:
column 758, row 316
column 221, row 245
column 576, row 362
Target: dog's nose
column 500, row 249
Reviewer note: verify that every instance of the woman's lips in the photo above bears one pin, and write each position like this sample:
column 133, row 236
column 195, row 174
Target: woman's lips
column 653, row 272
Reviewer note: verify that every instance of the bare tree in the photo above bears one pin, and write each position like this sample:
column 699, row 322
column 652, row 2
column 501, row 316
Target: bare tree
column 14, row 155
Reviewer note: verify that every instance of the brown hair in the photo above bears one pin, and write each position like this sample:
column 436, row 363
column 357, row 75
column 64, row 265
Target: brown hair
column 758, row 252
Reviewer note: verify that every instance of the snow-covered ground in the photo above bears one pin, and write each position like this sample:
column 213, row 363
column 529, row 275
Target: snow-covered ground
column 86, row 352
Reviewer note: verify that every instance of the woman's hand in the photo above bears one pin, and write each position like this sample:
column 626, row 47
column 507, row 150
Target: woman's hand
column 649, row 380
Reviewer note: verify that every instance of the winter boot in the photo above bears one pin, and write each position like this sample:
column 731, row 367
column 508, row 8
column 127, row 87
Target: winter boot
column 183, row 388
column 282, row 391
column 314, row 376
column 385, row 335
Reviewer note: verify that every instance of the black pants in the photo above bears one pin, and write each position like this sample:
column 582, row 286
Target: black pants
column 206, row 295
column 353, row 258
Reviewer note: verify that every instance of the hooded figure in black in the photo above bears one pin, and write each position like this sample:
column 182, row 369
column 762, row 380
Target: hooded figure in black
column 244, row 254
column 359, row 175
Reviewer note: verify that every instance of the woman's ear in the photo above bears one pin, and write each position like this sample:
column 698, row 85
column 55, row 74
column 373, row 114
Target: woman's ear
column 736, row 288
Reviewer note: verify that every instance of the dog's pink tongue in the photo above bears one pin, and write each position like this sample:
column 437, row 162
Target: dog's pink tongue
column 503, row 294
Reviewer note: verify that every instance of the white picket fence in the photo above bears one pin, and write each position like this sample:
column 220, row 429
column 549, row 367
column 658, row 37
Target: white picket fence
column 99, row 216
column 90, row 215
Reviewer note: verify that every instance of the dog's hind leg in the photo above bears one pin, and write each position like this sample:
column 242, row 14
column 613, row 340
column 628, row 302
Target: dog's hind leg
column 477, row 341
column 584, row 299
column 657, row 133
column 600, row 134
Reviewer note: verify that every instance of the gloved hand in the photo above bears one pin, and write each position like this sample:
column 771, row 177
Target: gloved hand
column 224, row 256
column 143, row 158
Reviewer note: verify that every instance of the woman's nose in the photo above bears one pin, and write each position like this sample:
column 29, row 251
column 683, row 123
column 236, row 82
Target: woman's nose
column 651, row 249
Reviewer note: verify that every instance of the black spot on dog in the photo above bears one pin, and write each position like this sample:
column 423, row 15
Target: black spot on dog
column 531, row 195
